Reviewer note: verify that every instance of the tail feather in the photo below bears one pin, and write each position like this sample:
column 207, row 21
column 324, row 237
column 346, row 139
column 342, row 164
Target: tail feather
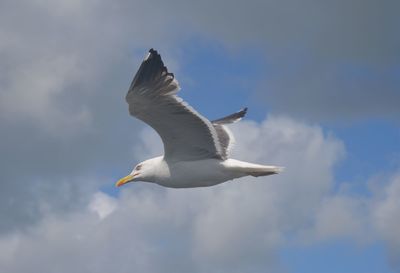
column 263, row 171
column 246, row 168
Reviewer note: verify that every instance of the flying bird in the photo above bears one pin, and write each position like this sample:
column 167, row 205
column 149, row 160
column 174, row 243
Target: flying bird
column 196, row 150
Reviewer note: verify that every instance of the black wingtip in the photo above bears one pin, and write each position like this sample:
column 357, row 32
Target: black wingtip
column 154, row 54
column 243, row 112
column 231, row 118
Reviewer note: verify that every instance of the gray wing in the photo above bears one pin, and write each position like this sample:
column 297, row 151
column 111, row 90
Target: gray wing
column 225, row 136
column 152, row 98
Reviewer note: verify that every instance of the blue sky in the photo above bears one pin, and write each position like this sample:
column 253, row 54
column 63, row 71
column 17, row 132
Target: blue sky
column 320, row 79
column 337, row 256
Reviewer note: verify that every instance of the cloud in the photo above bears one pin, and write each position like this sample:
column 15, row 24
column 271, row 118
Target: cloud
column 234, row 227
column 385, row 212
column 65, row 69
column 64, row 73
column 237, row 226
column 329, row 29
column 102, row 204
column 320, row 57
column 62, row 65
column 57, row 57
column 340, row 216
column 321, row 90
column 324, row 60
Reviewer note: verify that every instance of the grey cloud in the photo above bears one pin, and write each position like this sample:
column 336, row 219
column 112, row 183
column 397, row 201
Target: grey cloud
column 65, row 126
column 64, row 122
column 332, row 92
column 324, row 60
column 329, row 59
column 340, row 30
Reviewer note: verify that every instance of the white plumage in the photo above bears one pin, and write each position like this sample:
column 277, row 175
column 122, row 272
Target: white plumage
column 195, row 149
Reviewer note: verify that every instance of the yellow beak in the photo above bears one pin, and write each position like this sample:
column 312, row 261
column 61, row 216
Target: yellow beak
column 124, row 180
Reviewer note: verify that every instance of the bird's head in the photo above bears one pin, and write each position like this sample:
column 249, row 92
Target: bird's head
column 138, row 173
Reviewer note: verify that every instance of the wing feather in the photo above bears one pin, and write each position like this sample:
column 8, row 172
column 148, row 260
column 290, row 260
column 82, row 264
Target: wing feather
column 225, row 136
column 152, row 98
column 231, row 118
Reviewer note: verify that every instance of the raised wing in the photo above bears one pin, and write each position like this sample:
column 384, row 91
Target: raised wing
column 225, row 137
column 152, row 98
column 231, row 118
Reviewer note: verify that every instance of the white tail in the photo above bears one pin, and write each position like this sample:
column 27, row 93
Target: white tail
column 263, row 171
column 253, row 169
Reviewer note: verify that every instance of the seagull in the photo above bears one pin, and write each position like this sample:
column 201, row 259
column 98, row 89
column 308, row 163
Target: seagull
column 196, row 150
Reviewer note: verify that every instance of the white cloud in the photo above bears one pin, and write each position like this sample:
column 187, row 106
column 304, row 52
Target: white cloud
column 387, row 210
column 385, row 217
column 238, row 226
column 234, row 227
column 341, row 216
column 102, row 204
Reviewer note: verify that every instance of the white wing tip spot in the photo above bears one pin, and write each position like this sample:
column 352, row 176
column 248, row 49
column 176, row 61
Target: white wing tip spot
column 147, row 56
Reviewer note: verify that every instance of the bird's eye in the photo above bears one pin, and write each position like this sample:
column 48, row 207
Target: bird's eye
column 138, row 167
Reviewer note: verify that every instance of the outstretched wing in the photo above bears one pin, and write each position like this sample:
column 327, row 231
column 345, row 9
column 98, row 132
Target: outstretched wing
column 152, row 98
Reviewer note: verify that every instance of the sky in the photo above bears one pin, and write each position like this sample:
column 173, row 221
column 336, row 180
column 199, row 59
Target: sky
column 321, row 80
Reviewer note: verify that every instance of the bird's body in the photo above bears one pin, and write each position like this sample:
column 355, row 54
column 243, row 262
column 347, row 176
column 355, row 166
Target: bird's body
column 200, row 173
column 195, row 149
